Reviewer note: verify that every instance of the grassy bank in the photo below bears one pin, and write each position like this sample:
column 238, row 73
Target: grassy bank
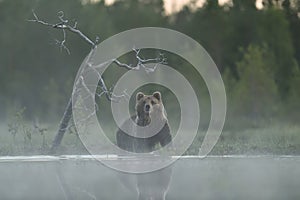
column 283, row 139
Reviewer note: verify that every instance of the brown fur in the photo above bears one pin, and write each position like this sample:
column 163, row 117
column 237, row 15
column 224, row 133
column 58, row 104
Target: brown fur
column 149, row 108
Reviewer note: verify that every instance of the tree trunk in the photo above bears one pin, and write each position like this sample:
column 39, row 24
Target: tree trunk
column 62, row 127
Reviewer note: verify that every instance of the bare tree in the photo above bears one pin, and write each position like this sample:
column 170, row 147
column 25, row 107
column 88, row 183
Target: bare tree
column 64, row 25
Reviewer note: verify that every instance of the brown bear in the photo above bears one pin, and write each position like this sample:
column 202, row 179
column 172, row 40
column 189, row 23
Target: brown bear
column 150, row 113
column 151, row 125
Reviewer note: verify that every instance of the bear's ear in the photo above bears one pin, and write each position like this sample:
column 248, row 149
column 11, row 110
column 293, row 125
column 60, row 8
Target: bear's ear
column 157, row 95
column 139, row 95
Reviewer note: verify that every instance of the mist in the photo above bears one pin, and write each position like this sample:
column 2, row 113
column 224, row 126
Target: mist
column 215, row 177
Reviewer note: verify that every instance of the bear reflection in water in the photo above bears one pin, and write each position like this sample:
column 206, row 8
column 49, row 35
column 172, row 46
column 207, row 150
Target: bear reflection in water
column 150, row 130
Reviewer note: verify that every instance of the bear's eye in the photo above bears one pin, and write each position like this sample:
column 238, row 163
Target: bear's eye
column 153, row 102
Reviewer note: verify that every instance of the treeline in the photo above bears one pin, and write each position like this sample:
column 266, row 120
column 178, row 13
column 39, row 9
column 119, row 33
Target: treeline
column 256, row 50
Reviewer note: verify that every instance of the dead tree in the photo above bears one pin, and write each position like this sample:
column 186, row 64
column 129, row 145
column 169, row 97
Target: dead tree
column 64, row 25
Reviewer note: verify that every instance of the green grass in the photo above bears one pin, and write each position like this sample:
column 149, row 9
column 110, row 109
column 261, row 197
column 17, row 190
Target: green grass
column 279, row 139
column 34, row 142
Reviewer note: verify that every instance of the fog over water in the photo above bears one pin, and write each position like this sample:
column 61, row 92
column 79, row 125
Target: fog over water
column 81, row 177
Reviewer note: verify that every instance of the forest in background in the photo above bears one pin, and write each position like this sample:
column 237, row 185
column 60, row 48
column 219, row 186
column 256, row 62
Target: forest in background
column 256, row 50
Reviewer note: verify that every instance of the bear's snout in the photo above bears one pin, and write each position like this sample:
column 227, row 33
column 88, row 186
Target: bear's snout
column 147, row 108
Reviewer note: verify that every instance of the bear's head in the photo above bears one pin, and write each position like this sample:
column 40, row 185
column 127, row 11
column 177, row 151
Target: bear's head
column 149, row 108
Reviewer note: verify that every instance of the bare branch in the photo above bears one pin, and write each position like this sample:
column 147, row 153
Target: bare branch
column 62, row 43
column 125, row 65
column 64, row 24
column 109, row 92
column 141, row 62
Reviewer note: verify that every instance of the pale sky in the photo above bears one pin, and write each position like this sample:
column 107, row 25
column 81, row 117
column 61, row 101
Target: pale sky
column 176, row 5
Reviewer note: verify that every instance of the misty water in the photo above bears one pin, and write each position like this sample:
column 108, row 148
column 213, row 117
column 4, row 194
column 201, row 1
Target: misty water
column 215, row 177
